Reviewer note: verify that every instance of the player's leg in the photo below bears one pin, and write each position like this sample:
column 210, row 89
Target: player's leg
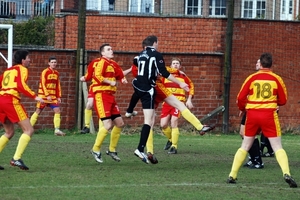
column 103, row 110
column 115, row 136
column 187, row 115
column 147, row 99
column 88, row 113
column 272, row 130
column 270, row 152
column 22, row 144
column 34, row 117
column 150, row 146
column 9, row 133
column 262, row 143
column 57, row 120
column 165, row 118
column 239, row 157
column 175, row 132
column 255, row 155
column 282, row 160
column 133, row 101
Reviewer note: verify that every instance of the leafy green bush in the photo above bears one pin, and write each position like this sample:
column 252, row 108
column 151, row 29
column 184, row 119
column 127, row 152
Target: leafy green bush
column 35, row 31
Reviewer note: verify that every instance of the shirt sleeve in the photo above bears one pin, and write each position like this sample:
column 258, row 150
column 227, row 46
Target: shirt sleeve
column 161, row 66
column 21, row 83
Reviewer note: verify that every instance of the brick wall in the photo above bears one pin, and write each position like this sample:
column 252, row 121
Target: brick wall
column 66, row 67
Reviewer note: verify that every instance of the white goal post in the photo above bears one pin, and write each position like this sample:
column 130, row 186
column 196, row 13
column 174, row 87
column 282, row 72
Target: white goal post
column 8, row 60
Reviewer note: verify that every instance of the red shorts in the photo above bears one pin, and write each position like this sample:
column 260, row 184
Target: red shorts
column 161, row 94
column 12, row 109
column 105, row 105
column 167, row 110
column 91, row 94
column 267, row 121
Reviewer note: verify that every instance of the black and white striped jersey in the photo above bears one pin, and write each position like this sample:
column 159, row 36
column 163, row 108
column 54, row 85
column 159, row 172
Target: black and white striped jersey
column 150, row 65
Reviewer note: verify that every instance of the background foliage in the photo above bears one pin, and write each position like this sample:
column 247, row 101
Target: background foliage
column 35, row 31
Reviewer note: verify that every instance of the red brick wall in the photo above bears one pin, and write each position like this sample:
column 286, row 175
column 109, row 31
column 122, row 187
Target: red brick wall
column 125, row 33
column 204, row 70
column 282, row 39
column 66, row 67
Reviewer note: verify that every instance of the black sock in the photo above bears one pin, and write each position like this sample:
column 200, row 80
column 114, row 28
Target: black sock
column 254, row 152
column 269, row 147
column 133, row 101
column 262, row 143
column 144, row 137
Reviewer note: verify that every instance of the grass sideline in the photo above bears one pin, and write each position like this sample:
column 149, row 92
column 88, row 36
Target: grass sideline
column 62, row 168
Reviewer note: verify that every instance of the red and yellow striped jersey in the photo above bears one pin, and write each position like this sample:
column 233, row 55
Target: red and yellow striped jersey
column 49, row 85
column 262, row 90
column 13, row 82
column 176, row 90
column 101, row 69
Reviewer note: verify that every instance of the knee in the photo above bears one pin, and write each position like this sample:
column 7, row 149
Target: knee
column 89, row 106
column 9, row 134
column 120, row 124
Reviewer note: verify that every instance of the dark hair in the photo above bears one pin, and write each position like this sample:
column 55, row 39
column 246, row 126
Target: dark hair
column 52, row 58
column 144, row 44
column 149, row 41
column 266, row 60
column 20, row 55
column 102, row 47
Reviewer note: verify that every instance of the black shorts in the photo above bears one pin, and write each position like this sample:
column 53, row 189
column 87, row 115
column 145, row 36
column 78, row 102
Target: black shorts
column 146, row 97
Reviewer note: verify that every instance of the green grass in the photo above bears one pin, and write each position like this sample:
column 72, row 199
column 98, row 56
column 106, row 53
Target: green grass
column 62, row 168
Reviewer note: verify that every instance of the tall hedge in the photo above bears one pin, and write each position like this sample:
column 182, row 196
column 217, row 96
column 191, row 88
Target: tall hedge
column 35, row 31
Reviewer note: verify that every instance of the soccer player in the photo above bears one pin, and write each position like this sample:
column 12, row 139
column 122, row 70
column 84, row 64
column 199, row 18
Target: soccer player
column 170, row 114
column 50, row 91
column 13, row 82
column 150, row 65
column 90, row 102
column 261, row 94
column 105, row 73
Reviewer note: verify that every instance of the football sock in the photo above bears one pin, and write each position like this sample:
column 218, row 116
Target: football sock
column 23, row 142
column 133, row 101
column 149, row 143
column 167, row 131
column 239, row 158
column 190, row 117
column 3, row 141
column 283, row 161
column 144, row 137
column 56, row 120
column 100, row 123
column 262, row 143
column 268, row 145
column 254, row 152
column 114, row 138
column 102, row 133
column 87, row 117
column 33, row 118
column 175, row 136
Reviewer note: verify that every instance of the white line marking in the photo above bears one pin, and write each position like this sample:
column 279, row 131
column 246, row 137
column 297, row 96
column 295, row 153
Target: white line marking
column 225, row 185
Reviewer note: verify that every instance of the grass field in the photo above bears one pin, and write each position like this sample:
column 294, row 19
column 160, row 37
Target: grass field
column 63, row 168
